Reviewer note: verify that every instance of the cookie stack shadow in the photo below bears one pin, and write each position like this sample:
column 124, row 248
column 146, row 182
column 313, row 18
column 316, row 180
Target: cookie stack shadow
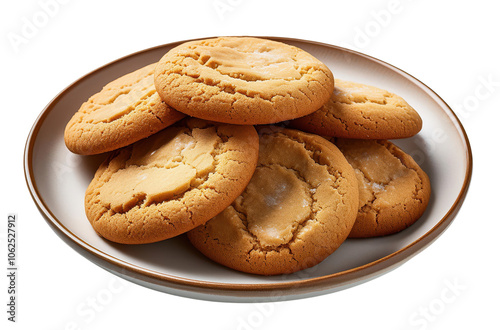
column 252, row 148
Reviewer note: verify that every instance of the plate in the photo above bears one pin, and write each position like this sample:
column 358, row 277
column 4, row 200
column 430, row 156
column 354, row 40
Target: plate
column 57, row 180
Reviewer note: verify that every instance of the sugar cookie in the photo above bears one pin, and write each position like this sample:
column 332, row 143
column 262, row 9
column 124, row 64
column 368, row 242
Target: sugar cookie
column 242, row 80
column 360, row 111
column 299, row 206
column 126, row 110
column 171, row 182
column 393, row 190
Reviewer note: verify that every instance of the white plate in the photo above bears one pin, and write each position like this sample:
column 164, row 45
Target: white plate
column 57, row 180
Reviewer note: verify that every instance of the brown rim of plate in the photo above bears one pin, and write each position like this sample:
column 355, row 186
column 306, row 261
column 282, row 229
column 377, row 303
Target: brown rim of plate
column 295, row 287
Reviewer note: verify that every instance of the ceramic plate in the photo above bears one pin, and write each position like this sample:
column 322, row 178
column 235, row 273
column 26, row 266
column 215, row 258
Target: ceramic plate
column 57, row 180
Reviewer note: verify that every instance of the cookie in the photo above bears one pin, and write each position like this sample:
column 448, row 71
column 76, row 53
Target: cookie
column 299, row 206
column 171, row 182
column 126, row 110
column 242, row 80
column 360, row 111
column 393, row 190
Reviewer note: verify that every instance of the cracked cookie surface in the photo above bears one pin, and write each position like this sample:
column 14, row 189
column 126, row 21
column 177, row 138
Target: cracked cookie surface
column 360, row 111
column 393, row 190
column 299, row 206
column 171, row 182
column 242, row 80
column 124, row 111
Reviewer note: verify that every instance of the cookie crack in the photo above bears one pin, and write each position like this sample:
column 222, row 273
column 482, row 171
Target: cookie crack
column 140, row 201
column 418, row 185
column 227, row 88
column 298, row 226
column 366, row 100
column 314, row 154
column 139, row 103
column 205, row 61
column 120, row 90
column 331, row 114
column 415, row 194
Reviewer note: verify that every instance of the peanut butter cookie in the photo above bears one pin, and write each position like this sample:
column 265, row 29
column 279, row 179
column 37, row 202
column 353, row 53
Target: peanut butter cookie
column 299, row 206
column 126, row 110
column 242, row 80
column 360, row 111
column 171, row 182
column 393, row 190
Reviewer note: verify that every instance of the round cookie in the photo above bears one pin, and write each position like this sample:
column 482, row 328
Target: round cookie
column 242, row 80
column 126, row 110
column 299, row 206
column 360, row 111
column 171, row 182
column 393, row 190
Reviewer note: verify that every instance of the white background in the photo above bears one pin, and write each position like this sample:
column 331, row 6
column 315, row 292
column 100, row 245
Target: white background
column 453, row 47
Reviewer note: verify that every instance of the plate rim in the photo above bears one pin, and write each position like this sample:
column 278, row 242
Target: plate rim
column 344, row 278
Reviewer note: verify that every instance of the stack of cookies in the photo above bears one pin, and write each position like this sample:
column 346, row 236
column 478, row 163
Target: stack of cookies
column 252, row 148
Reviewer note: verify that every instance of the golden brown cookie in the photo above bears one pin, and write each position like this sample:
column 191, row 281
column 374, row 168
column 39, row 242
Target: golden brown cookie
column 171, row 182
column 124, row 111
column 360, row 111
column 393, row 190
column 299, row 206
column 242, row 80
